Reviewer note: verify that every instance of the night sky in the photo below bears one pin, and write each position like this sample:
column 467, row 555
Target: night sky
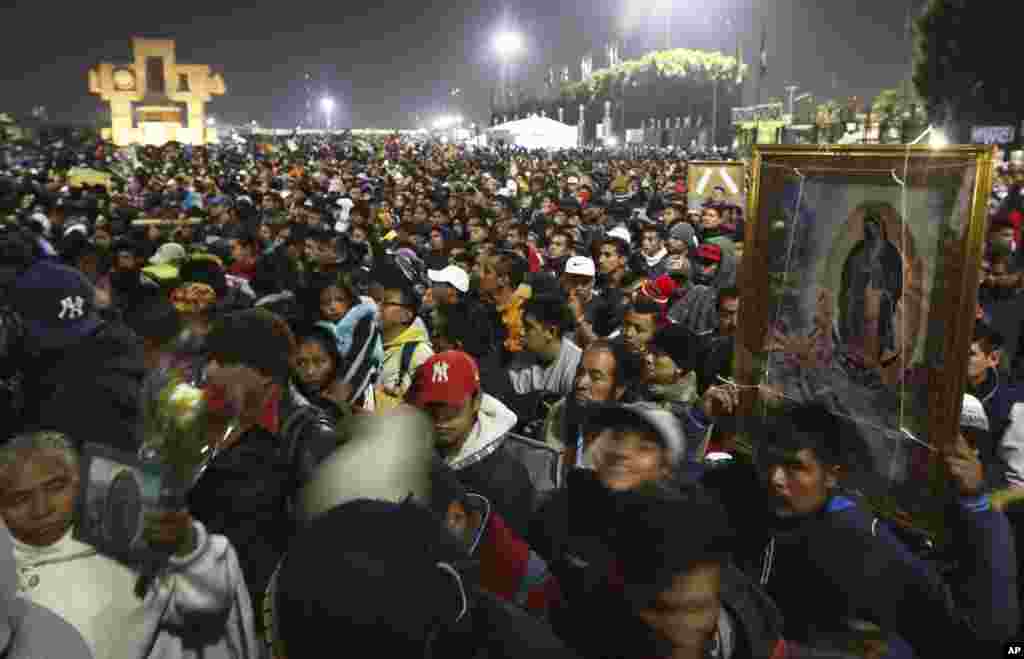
column 387, row 61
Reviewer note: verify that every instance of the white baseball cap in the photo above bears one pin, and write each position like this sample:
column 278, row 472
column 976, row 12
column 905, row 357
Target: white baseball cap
column 453, row 275
column 580, row 265
column 168, row 253
column 621, row 232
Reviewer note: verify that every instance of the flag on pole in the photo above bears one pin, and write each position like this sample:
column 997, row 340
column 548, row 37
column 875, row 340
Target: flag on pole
column 764, row 49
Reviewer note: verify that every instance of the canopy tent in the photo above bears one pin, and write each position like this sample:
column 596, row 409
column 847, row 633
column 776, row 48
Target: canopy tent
column 535, row 133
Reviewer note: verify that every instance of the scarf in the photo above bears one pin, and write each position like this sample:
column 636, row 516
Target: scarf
column 654, row 260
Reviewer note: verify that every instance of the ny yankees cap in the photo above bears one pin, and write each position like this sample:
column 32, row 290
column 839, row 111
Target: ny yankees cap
column 449, row 377
column 57, row 304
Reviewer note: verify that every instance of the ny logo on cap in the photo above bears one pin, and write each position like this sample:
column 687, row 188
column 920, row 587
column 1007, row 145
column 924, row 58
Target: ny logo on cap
column 71, row 308
column 440, row 372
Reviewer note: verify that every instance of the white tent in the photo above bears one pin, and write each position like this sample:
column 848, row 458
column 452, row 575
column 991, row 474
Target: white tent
column 535, row 133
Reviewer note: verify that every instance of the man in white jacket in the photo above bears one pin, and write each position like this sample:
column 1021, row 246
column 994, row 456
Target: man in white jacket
column 196, row 606
column 27, row 630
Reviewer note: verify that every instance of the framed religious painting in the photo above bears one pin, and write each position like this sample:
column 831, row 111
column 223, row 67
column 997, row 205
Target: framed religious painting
column 716, row 182
column 859, row 290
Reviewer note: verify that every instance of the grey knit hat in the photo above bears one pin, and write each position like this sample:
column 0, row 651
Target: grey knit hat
column 683, row 231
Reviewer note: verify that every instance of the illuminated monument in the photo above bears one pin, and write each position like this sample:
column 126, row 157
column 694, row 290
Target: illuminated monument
column 155, row 100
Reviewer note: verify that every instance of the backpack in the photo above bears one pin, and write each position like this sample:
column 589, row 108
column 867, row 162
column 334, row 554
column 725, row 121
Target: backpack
column 408, row 351
column 292, row 429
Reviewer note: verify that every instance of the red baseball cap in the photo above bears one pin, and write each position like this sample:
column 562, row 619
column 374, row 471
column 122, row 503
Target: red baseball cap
column 449, row 377
column 710, row 252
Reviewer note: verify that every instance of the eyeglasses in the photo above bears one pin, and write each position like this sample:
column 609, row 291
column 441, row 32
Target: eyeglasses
column 387, row 303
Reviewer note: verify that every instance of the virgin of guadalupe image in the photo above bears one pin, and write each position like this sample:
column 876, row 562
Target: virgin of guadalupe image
column 874, row 264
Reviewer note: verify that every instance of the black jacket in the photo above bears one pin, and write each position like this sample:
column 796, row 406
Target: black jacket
column 246, row 493
column 502, row 631
column 89, row 391
column 308, row 433
column 568, row 532
column 506, row 482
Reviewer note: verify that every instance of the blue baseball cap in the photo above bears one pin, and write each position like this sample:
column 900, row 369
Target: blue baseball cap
column 57, row 305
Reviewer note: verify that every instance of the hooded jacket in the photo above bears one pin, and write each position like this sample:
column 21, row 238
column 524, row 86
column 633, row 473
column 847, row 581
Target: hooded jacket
column 358, row 347
column 392, row 364
column 487, row 463
column 197, row 607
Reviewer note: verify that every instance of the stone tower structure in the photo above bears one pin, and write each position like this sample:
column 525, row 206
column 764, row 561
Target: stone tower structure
column 154, row 99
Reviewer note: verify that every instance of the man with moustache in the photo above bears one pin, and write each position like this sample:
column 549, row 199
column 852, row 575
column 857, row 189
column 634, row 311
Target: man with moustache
column 605, row 374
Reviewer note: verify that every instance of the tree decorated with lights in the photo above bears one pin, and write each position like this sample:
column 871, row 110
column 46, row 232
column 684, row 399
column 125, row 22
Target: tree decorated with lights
column 667, row 83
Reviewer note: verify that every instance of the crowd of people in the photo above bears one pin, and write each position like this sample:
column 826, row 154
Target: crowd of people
column 462, row 403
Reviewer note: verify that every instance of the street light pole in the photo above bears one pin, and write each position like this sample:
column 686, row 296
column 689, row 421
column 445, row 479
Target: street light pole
column 327, row 105
column 507, row 45
column 791, row 90
column 622, row 109
column 668, row 26
column 714, row 112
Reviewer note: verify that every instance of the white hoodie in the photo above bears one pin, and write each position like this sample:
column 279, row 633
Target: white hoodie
column 492, row 422
column 97, row 595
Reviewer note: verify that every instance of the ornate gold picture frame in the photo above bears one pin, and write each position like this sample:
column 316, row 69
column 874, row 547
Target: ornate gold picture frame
column 859, row 283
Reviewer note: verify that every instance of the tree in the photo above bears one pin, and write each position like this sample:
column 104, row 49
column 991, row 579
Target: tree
column 664, row 84
column 890, row 109
column 962, row 67
column 890, row 104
